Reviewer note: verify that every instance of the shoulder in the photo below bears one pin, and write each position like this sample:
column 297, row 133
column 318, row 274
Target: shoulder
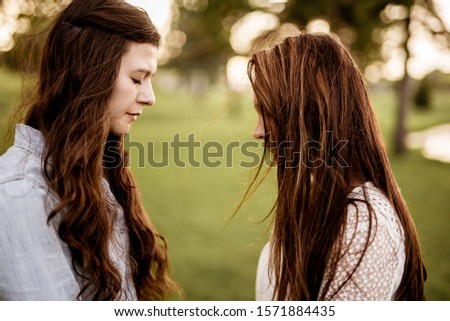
column 20, row 172
column 18, row 163
column 373, row 232
column 371, row 210
column 24, row 157
column 24, row 206
column 371, row 256
column 24, row 196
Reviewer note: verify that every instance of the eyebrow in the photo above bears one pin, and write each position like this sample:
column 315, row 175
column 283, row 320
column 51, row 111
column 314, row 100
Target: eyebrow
column 145, row 71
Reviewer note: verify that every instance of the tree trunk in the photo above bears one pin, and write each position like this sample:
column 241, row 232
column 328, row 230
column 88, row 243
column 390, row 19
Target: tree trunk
column 403, row 98
column 403, row 94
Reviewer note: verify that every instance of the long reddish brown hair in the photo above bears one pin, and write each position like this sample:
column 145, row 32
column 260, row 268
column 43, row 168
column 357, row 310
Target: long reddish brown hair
column 79, row 65
column 309, row 91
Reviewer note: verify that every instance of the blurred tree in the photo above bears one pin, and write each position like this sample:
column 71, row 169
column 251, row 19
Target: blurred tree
column 422, row 97
column 202, row 28
column 360, row 25
column 206, row 25
column 24, row 56
column 26, row 23
column 432, row 22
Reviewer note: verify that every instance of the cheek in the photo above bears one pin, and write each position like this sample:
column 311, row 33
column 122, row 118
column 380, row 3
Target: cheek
column 271, row 131
column 260, row 123
column 123, row 88
column 121, row 97
column 114, row 103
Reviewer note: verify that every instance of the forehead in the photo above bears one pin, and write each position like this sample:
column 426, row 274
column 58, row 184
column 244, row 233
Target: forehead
column 140, row 56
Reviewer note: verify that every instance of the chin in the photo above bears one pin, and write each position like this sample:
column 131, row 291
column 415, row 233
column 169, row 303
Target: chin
column 120, row 131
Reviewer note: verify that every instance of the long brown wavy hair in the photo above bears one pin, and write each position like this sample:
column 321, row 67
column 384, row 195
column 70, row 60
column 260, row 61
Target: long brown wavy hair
column 79, row 65
column 310, row 93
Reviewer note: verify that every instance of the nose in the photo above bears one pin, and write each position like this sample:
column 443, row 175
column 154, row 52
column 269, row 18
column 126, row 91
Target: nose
column 146, row 95
column 259, row 131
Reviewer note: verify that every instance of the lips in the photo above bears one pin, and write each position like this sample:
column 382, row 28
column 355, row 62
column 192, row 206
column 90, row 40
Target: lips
column 133, row 116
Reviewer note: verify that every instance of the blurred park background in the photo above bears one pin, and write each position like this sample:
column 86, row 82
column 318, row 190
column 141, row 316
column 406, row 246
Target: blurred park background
column 403, row 48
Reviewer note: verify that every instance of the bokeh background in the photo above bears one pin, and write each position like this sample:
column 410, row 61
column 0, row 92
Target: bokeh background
column 402, row 46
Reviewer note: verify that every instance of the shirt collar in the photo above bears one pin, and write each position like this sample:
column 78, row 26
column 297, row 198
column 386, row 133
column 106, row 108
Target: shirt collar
column 30, row 139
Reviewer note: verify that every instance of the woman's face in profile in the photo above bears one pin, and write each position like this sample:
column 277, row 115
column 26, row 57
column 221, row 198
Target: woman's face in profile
column 259, row 131
column 133, row 87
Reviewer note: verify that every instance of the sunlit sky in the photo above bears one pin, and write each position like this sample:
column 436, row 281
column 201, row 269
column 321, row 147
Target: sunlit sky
column 158, row 10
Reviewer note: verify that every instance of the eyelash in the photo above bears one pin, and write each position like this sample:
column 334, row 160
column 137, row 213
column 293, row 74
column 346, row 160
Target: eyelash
column 136, row 81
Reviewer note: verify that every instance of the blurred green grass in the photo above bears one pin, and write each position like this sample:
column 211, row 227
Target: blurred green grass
column 215, row 258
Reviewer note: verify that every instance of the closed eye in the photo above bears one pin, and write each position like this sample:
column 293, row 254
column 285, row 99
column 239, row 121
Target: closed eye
column 136, row 81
